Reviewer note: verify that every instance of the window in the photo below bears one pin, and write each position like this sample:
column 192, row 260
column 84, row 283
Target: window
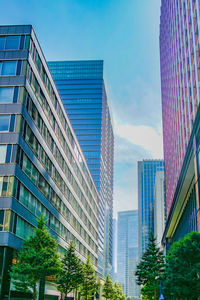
column 4, row 122
column 6, row 94
column 12, row 42
column 8, row 68
column 3, row 150
column 9, row 42
column 2, row 42
column 23, row 229
column 1, row 219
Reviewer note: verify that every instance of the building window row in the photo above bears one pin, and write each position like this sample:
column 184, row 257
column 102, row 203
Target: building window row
column 45, row 188
column 58, row 179
column 47, row 163
column 16, row 123
column 14, row 42
column 54, row 149
column 11, row 186
column 10, row 221
column 47, row 136
column 50, row 90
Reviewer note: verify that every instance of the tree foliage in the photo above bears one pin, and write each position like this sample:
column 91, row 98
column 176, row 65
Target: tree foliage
column 108, row 288
column 118, row 292
column 89, row 285
column 150, row 270
column 37, row 259
column 182, row 271
column 71, row 275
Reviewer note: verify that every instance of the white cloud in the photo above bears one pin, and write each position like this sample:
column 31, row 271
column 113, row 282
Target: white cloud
column 144, row 136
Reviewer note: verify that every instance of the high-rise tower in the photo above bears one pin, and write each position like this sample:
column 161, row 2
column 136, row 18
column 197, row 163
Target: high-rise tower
column 42, row 167
column 147, row 170
column 82, row 89
column 180, row 84
column 127, row 251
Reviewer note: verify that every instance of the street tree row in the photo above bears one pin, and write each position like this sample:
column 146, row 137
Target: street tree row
column 176, row 276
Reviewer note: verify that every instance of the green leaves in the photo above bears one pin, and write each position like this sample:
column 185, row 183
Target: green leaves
column 182, row 270
column 89, row 285
column 71, row 275
column 108, row 288
column 150, row 270
column 113, row 291
column 118, row 292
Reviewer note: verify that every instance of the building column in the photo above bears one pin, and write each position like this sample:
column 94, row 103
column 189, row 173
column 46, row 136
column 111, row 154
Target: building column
column 6, row 259
column 196, row 171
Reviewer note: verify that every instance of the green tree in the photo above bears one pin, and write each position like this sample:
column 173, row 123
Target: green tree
column 71, row 275
column 182, row 271
column 89, row 286
column 108, row 288
column 118, row 292
column 150, row 270
column 37, row 259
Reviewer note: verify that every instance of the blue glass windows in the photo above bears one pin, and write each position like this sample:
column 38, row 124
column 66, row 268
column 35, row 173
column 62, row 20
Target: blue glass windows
column 3, row 151
column 8, row 68
column 2, row 42
column 11, row 42
column 4, row 123
column 6, row 94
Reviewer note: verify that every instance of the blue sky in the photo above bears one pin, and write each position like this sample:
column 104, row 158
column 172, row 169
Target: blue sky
column 125, row 34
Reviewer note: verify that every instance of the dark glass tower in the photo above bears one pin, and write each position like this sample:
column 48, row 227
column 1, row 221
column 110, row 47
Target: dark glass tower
column 81, row 87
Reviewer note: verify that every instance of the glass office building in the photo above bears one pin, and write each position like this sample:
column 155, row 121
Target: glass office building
column 82, row 89
column 127, row 251
column 42, row 167
column 180, row 86
column 146, row 183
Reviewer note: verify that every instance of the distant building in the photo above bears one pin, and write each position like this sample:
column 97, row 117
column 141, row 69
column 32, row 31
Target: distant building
column 146, row 183
column 127, row 251
column 81, row 87
column 159, row 207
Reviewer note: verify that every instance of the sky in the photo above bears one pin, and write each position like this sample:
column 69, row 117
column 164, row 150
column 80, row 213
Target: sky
column 125, row 34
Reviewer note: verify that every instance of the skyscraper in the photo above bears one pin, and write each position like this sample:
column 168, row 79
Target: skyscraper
column 159, row 206
column 42, row 167
column 82, row 89
column 127, row 251
column 180, row 77
column 146, row 182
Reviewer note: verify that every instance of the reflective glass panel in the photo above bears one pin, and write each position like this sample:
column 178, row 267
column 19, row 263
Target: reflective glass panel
column 3, row 151
column 9, row 68
column 4, row 122
column 1, row 219
column 2, row 42
column 6, row 94
column 12, row 42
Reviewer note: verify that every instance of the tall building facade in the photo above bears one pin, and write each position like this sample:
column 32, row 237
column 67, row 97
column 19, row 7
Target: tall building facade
column 180, row 84
column 114, row 251
column 82, row 89
column 42, row 167
column 127, row 251
column 146, row 183
column 159, row 206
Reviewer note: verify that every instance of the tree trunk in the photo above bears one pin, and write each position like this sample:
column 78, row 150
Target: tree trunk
column 42, row 289
column 155, row 294
column 34, row 292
